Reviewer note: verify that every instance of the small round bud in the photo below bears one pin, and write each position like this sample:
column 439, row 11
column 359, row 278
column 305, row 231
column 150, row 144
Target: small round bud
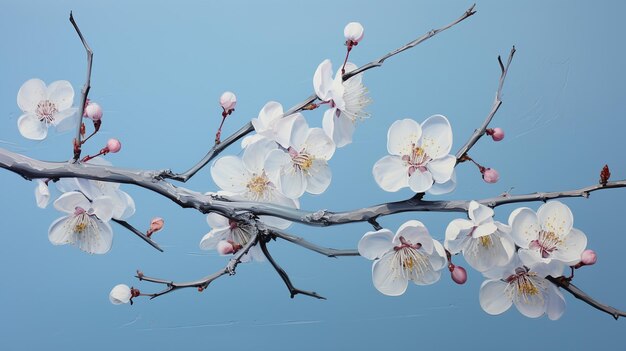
column 93, row 111
column 588, row 257
column 490, row 175
column 120, row 294
column 114, row 145
column 497, row 134
column 459, row 275
column 225, row 248
column 156, row 224
column 353, row 32
column 228, row 100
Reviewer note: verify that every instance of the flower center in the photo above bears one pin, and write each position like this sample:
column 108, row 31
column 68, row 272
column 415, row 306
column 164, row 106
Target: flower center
column 302, row 161
column 486, row 241
column 413, row 262
column 546, row 243
column 258, row 185
column 46, row 110
column 416, row 160
column 356, row 100
column 525, row 286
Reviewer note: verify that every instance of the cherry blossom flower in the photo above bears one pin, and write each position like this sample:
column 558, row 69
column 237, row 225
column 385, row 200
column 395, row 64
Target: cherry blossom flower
column 522, row 283
column 548, row 234
column 44, row 106
column 246, row 179
column 347, row 100
column 85, row 224
column 485, row 244
column 419, row 157
column 304, row 165
column 237, row 234
column 42, row 194
column 120, row 294
column 411, row 254
column 270, row 124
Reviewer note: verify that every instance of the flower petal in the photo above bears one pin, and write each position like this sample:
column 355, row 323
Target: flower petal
column 61, row 94
column 319, row 144
column 493, row 297
column 415, row 233
column 442, row 168
column 285, row 128
column 436, row 136
column 386, row 278
column 571, row 248
column 484, row 229
column 269, row 114
column 531, row 306
column 402, row 136
column 68, row 202
column 30, row 94
column 229, row 174
column 292, row 182
column 374, row 245
column 391, row 174
column 555, row 306
column 444, row 188
column 65, row 120
column 420, row 182
column 217, row 221
column 58, row 233
column 42, row 194
column 480, row 213
column 210, row 240
column 319, row 177
column 103, row 207
column 555, row 217
column 100, row 243
column 524, row 226
column 254, row 157
column 31, row 127
column 323, row 80
column 457, row 235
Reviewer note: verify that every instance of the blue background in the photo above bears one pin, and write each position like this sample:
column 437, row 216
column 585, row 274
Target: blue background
column 159, row 69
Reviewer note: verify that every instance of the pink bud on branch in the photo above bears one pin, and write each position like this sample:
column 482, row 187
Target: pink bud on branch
column 458, row 274
column 353, row 32
column 496, row 134
column 588, row 257
column 156, row 224
column 93, row 111
column 228, row 101
column 605, row 174
column 490, row 175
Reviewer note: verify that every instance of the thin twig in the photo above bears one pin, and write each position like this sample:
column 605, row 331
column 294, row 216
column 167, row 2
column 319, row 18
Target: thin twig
column 136, row 231
column 283, row 275
column 494, row 108
column 329, row 252
column 581, row 295
column 84, row 91
column 202, row 283
column 243, row 131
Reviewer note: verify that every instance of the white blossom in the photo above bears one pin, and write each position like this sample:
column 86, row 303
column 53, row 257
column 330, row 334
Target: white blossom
column 270, row 124
column 238, row 234
column 120, row 294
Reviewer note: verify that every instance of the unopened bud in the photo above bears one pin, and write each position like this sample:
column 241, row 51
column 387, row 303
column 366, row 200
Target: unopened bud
column 588, row 257
column 225, row 248
column 93, row 111
column 120, row 294
column 156, row 224
column 605, row 174
column 113, row 145
column 353, row 32
column 228, row 100
column 458, row 274
column 497, row 134
column 490, row 175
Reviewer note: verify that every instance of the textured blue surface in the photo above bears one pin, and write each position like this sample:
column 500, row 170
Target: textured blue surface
column 159, row 69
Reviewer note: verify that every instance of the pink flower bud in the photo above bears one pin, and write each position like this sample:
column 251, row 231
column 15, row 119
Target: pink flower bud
column 156, row 224
column 490, row 175
column 353, row 32
column 93, row 111
column 588, row 257
column 459, row 275
column 228, row 100
column 497, row 134
column 114, row 145
column 225, row 248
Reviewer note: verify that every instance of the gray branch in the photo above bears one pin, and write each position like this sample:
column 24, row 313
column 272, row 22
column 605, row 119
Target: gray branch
column 581, row 295
column 243, row 131
column 84, row 91
column 136, row 231
column 494, row 108
column 329, row 252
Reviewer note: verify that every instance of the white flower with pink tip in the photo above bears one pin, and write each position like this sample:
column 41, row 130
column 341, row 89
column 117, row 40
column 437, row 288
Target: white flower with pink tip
column 86, row 224
column 485, row 244
column 227, row 237
column 348, row 101
column 522, row 283
column 419, row 157
column 270, row 124
column 410, row 254
column 304, row 165
column 548, row 234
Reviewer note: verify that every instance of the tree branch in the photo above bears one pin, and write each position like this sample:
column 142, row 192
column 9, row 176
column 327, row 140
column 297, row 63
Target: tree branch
column 136, row 231
column 283, row 275
column 581, row 295
column 329, row 252
column 478, row 133
column 84, row 91
column 202, row 283
column 243, row 131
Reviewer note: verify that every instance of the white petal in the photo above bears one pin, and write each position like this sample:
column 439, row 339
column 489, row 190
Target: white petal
column 556, row 303
column 30, row 94
column 552, row 268
column 572, row 247
column 103, row 207
column 319, row 177
column 391, row 174
column 31, row 128
column 322, row 80
column 100, row 243
column 442, row 168
column 61, row 94
column 444, row 188
column 457, row 227
column 269, row 114
column 386, row 277
column 42, row 194
column 493, row 298
column 254, row 157
column 293, row 182
column 277, row 161
column 402, row 136
column 524, row 226
column 124, row 205
column 436, row 136
column 420, row 182
column 285, row 127
column 438, row 259
column 299, row 132
column 486, row 253
column 230, row 174
column 251, row 139
column 67, row 184
column 532, row 306
column 210, row 240
column 416, row 233
column 484, row 229
column 65, row 120
column 58, row 233
column 343, row 130
column 480, row 213
column 120, row 294
column 319, row 144
column 217, row 221
column 68, row 202
column 555, row 217
column 374, row 245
